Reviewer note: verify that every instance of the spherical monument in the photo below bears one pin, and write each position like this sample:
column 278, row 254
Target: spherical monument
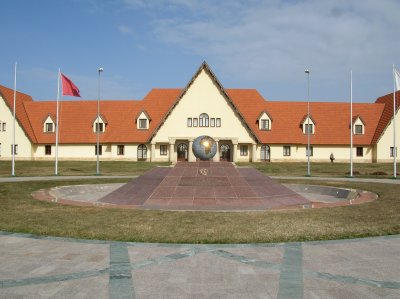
column 204, row 147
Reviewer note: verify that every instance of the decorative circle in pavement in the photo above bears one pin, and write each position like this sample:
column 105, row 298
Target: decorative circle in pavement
column 204, row 147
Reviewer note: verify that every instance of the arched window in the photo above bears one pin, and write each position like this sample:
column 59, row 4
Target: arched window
column 265, row 153
column 203, row 120
column 142, row 152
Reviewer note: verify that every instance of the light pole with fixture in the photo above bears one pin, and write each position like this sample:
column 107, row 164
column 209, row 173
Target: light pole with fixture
column 307, row 71
column 99, row 70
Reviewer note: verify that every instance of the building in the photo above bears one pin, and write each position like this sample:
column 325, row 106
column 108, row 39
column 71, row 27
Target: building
column 163, row 125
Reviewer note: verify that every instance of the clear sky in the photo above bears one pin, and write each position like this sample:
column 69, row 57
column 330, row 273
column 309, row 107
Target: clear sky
column 144, row 44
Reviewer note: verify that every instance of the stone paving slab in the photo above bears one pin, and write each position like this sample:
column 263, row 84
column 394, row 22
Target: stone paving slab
column 48, row 267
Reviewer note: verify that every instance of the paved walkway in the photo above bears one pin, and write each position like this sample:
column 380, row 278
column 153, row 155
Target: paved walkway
column 48, row 267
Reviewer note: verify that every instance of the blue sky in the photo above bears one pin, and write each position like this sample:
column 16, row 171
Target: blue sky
column 142, row 44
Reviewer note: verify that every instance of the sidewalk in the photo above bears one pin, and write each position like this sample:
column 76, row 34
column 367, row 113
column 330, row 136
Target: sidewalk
column 49, row 267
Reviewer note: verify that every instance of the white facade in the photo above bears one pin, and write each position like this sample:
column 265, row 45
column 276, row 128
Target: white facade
column 24, row 145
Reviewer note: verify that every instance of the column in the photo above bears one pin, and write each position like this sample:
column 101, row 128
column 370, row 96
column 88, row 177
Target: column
column 254, row 152
column 153, row 152
column 234, row 154
column 191, row 157
column 216, row 157
column 172, row 157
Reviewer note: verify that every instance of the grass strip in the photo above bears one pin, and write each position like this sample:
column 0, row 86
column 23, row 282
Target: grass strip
column 20, row 213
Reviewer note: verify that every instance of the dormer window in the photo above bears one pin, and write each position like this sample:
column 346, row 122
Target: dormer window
column 265, row 124
column 143, row 121
column 264, row 121
column 99, row 124
column 49, row 125
column 308, row 125
column 99, row 127
column 358, row 126
column 309, row 129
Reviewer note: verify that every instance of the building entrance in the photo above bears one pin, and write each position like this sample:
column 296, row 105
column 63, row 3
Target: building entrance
column 182, row 152
column 225, row 152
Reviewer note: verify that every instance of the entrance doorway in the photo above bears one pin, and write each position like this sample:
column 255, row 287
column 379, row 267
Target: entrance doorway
column 265, row 153
column 182, row 152
column 225, row 152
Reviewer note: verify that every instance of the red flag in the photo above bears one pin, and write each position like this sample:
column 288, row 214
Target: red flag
column 68, row 87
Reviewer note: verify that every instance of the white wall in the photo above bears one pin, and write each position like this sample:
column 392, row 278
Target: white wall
column 386, row 141
column 203, row 96
column 320, row 153
column 24, row 145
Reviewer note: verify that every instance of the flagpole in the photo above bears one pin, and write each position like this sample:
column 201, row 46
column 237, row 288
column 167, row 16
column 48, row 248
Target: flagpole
column 99, row 70
column 394, row 125
column 307, row 71
column 13, row 142
column 58, row 99
column 351, row 123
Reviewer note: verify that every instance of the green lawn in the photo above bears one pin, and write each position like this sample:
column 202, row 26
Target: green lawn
column 46, row 168
column 366, row 170
column 20, row 213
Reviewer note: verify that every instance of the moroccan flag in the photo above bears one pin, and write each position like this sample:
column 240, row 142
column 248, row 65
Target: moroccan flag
column 68, row 87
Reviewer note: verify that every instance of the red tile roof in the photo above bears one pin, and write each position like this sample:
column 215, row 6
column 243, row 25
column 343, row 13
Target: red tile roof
column 76, row 118
column 387, row 114
column 332, row 119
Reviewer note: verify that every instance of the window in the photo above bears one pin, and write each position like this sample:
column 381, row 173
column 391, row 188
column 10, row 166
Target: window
column 265, row 124
column 142, row 152
column 98, row 127
column 49, row 127
column 189, row 122
column 360, row 152
column 392, row 152
column 311, row 151
column 203, row 120
column 286, row 150
column 163, row 150
column 243, row 150
column 15, row 149
column 358, row 129
column 218, row 122
column 0, row 149
column 0, row 126
column 47, row 150
column 100, row 150
column 142, row 123
column 308, row 129
column 120, row 150
column 212, row 122
column 4, row 126
column 195, row 122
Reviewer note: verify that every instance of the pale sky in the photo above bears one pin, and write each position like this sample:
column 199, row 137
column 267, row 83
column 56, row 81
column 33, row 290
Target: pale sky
column 142, row 45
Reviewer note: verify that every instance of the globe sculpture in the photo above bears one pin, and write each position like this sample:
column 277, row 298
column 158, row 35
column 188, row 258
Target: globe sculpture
column 204, row 147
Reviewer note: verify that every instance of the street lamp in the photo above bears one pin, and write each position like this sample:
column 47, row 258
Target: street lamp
column 99, row 70
column 307, row 71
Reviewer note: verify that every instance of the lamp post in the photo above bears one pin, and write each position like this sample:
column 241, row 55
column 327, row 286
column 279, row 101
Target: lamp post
column 307, row 71
column 99, row 70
